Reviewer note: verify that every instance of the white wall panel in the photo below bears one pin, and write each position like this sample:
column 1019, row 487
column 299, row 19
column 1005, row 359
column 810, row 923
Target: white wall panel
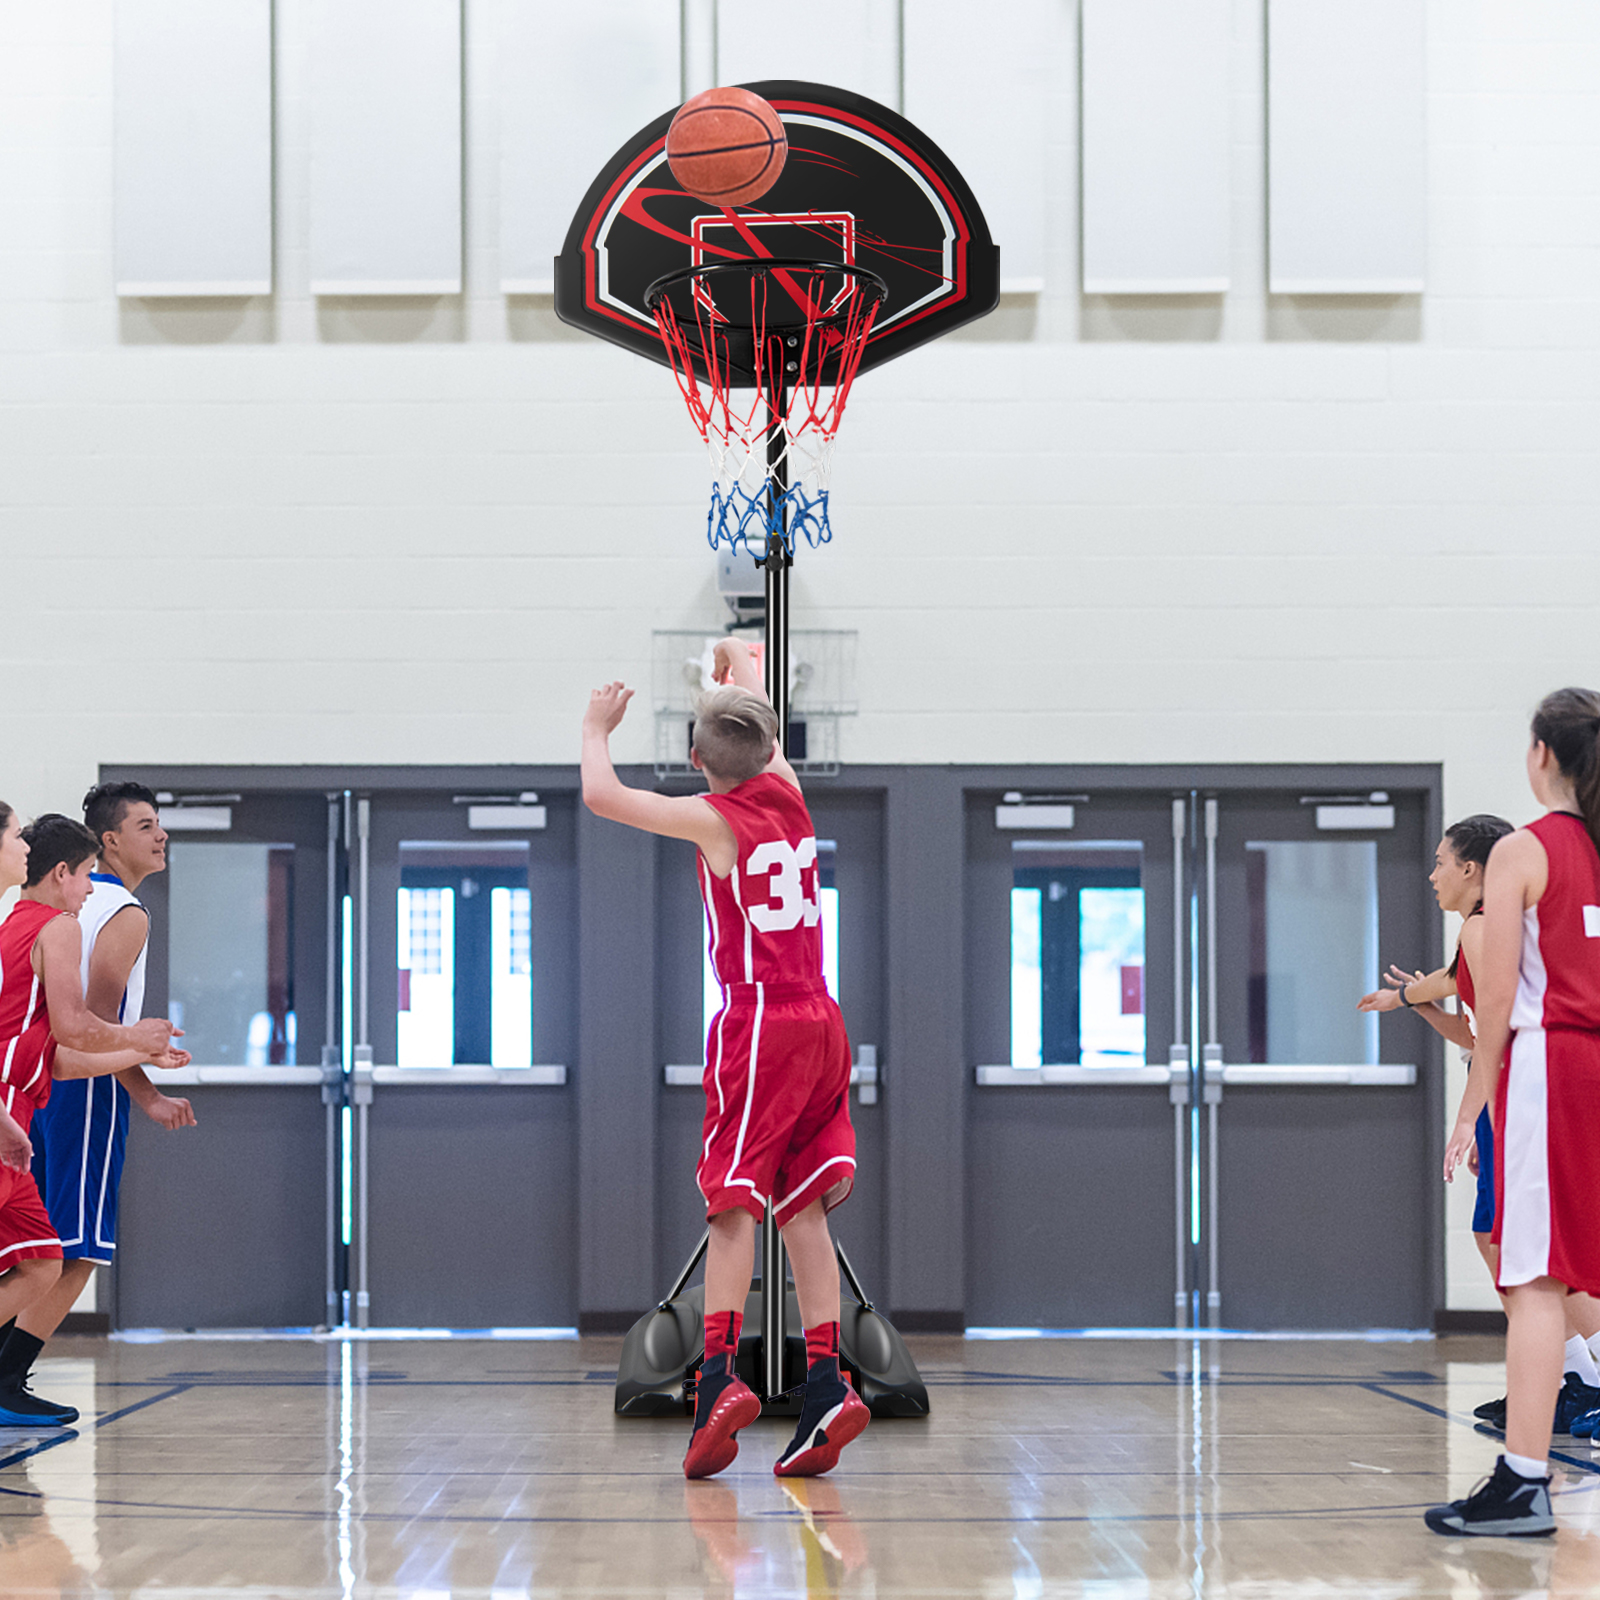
column 1155, row 146
column 1347, row 190
column 193, row 147
column 575, row 82
column 959, row 67
column 853, row 44
column 386, row 147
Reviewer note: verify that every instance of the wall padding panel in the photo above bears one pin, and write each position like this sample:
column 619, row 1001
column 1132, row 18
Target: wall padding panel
column 854, row 44
column 1155, row 146
column 193, row 111
column 958, row 67
column 1347, row 156
column 386, row 147
column 575, row 82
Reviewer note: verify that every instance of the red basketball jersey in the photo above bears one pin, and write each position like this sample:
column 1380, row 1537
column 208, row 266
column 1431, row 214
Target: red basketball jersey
column 26, row 1048
column 1558, row 985
column 766, row 916
column 1466, row 989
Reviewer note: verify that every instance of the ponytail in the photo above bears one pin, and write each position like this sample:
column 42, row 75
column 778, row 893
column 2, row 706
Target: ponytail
column 1568, row 724
column 1472, row 838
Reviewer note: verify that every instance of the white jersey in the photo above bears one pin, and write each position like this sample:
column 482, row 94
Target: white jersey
column 107, row 898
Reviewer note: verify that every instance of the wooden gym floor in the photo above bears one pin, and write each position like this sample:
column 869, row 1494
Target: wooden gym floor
column 496, row 1470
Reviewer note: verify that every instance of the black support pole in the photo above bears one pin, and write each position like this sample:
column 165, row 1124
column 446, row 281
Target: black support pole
column 776, row 563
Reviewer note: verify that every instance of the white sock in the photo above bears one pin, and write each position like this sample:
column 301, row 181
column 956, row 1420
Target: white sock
column 1580, row 1361
column 1527, row 1467
column 1593, row 1342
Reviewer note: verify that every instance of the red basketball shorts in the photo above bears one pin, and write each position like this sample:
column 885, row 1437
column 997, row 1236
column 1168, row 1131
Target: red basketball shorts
column 1547, row 1159
column 777, row 1085
column 25, row 1229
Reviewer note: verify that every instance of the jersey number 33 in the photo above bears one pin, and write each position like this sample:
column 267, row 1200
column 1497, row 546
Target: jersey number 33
column 792, row 895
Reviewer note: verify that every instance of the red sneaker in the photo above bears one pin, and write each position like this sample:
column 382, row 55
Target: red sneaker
column 831, row 1419
column 712, row 1445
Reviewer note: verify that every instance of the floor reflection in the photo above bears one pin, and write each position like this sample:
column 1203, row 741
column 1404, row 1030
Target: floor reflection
column 817, row 1551
column 1048, row 1471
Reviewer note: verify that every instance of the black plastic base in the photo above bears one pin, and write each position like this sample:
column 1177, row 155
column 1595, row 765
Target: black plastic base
column 663, row 1350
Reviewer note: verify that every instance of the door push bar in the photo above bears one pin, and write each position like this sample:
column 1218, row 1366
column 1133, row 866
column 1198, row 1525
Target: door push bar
column 1174, row 1077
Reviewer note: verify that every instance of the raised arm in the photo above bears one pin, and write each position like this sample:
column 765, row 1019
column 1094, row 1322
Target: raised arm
column 1516, row 876
column 732, row 662
column 57, row 955
column 606, row 795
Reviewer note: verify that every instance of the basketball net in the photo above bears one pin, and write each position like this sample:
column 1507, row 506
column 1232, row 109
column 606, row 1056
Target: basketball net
column 771, row 447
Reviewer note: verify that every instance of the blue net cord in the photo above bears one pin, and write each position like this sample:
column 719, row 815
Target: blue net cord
column 743, row 521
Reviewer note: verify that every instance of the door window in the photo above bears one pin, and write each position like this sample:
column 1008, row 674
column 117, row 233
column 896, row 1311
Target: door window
column 231, row 951
column 1077, row 952
column 1313, row 906
column 465, row 955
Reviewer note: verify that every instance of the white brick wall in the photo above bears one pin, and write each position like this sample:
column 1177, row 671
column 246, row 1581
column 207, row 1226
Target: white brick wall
column 1086, row 530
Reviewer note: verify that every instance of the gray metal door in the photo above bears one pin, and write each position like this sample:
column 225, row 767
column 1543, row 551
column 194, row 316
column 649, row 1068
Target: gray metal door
column 465, row 1170
column 1076, row 932
column 1321, row 1191
column 850, row 835
column 227, row 1224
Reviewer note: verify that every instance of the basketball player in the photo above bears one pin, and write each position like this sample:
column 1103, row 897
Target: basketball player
column 46, row 1029
column 1457, row 880
column 777, row 1123
column 81, row 1132
column 1538, row 983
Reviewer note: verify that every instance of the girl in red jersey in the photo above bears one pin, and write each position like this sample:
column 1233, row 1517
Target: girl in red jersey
column 1538, row 983
column 1457, row 879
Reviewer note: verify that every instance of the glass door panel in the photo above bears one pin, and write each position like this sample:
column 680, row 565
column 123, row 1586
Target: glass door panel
column 1313, row 943
column 464, row 955
column 231, row 951
column 1077, row 952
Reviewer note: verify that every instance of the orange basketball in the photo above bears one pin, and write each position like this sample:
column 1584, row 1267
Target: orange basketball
column 726, row 146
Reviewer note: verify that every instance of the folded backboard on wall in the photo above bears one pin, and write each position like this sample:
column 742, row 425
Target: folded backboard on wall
column 979, row 91
column 575, row 81
column 853, row 44
column 386, row 147
column 193, row 132
column 1346, row 146
column 1155, row 146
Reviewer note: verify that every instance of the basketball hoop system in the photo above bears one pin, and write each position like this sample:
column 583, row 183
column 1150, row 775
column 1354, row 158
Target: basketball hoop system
column 788, row 334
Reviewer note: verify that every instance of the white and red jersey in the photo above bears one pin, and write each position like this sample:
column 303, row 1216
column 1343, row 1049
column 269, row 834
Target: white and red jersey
column 765, row 917
column 1558, row 985
column 27, row 1050
column 1547, row 1109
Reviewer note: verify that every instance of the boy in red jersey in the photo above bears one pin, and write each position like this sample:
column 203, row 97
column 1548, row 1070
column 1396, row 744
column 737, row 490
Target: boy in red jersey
column 777, row 1081
column 47, row 1030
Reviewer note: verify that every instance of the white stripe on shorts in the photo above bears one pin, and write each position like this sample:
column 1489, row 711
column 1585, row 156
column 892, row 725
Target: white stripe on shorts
column 1525, row 1157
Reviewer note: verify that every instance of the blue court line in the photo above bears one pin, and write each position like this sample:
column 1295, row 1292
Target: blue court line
column 1591, row 1467
column 67, row 1435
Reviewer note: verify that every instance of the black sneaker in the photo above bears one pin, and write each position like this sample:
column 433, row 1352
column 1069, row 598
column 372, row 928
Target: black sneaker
column 21, row 1408
column 1577, row 1399
column 833, row 1415
column 1492, row 1411
column 1504, row 1505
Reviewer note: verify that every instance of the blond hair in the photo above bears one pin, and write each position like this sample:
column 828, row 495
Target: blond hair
column 734, row 732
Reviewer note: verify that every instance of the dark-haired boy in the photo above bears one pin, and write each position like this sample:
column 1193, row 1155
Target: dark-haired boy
column 81, row 1133
column 47, row 1031
column 777, row 1081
